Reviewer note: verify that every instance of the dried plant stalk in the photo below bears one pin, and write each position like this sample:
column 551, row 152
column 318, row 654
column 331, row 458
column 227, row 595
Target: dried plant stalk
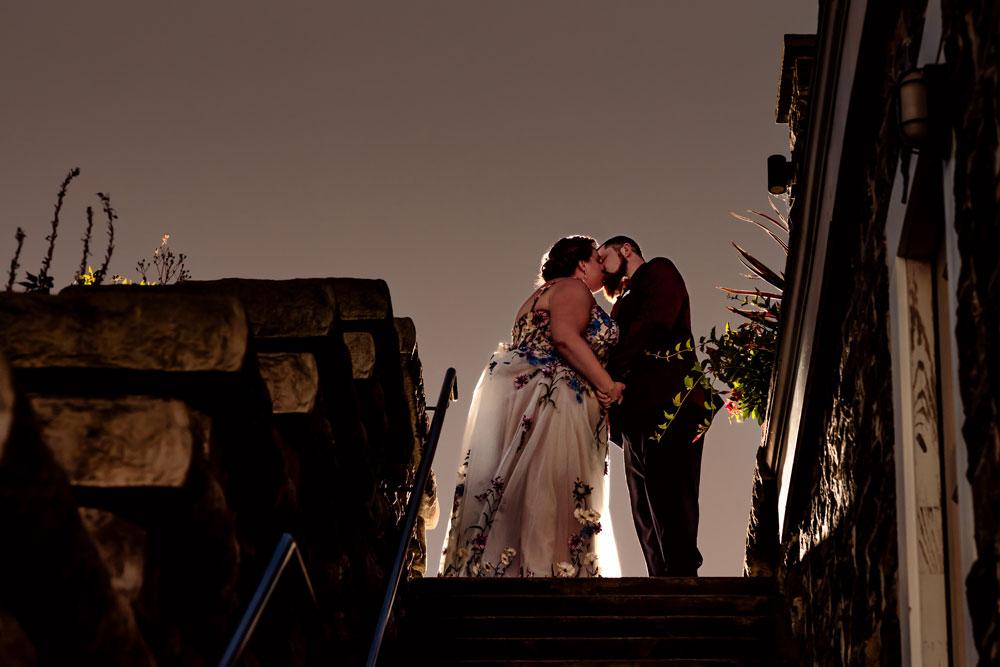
column 43, row 273
column 109, row 212
column 19, row 236
column 86, row 243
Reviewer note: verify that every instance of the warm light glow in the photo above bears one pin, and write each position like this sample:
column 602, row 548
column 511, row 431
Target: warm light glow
column 607, row 549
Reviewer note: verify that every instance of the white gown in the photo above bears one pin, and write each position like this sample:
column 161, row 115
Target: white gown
column 531, row 496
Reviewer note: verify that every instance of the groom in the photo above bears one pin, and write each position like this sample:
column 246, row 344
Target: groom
column 653, row 312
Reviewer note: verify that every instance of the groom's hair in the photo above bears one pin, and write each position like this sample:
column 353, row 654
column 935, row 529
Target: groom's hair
column 619, row 241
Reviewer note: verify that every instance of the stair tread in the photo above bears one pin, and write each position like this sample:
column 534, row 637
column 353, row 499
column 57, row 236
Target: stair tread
column 599, row 584
column 685, row 662
column 748, row 618
column 464, row 595
column 590, row 604
column 596, row 625
column 670, row 597
column 576, row 648
column 616, row 639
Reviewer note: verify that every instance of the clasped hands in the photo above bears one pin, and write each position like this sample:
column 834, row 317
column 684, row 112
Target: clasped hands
column 612, row 395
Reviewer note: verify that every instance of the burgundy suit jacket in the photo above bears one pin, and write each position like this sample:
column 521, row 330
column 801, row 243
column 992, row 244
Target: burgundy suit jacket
column 654, row 315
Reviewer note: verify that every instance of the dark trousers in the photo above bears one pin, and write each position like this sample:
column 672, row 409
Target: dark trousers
column 663, row 479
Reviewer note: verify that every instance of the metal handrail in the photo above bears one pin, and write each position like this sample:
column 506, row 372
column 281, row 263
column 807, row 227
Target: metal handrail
column 284, row 553
column 449, row 392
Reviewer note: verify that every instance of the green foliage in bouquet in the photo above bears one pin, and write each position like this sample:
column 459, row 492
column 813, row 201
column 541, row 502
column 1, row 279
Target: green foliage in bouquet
column 742, row 357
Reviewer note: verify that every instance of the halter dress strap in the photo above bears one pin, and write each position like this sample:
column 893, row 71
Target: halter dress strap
column 538, row 295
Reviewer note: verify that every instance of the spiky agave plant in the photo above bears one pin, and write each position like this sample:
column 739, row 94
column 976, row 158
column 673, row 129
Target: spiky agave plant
column 742, row 357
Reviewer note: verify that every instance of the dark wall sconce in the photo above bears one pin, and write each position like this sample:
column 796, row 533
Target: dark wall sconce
column 914, row 109
column 779, row 173
column 919, row 94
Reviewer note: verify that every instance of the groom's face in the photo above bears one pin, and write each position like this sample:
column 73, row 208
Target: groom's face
column 611, row 257
column 615, row 269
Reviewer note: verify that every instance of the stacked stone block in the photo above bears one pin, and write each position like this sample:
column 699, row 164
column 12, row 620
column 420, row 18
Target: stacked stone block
column 158, row 442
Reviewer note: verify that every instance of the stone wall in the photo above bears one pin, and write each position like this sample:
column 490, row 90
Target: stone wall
column 154, row 444
column 972, row 55
column 838, row 563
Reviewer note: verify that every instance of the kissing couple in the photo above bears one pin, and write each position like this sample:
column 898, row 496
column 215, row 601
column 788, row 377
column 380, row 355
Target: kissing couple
column 532, row 492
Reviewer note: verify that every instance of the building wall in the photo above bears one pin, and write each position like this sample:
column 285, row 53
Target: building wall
column 972, row 55
column 839, row 555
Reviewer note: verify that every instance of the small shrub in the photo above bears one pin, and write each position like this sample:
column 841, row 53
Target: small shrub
column 743, row 357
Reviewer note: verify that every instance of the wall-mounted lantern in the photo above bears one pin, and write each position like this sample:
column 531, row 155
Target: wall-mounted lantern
column 779, row 172
column 919, row 94
column 913, row 106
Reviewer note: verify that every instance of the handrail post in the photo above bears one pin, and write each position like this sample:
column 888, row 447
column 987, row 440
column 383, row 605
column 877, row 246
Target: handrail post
column 284, row 552
column 449, row 392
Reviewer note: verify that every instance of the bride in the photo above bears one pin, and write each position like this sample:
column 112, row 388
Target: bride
column 531, row 489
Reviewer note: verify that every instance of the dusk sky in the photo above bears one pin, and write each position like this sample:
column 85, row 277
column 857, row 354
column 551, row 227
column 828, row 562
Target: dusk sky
column 442, row 146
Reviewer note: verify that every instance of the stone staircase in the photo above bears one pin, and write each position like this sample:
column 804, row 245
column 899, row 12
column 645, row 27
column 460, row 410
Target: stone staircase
column 640, row 621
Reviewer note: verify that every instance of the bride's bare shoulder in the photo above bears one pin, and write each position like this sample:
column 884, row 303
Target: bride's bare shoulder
column 570, row 292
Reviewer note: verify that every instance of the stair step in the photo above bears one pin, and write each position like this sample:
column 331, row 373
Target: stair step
column 683, row 621
column 424, row 625
column 664, row 662
column 609, row 648
column 596, row 586
column 592, row 605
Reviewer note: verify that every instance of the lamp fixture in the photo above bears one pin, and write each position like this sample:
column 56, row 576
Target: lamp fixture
column 779, row 173
column 913, row 107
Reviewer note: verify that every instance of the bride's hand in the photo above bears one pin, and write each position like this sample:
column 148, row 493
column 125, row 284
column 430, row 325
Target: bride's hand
column 612, row 395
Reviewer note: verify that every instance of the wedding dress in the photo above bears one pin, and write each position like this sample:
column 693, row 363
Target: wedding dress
column 531, row 496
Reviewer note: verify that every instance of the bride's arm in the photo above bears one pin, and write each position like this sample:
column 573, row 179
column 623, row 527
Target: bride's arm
column 569, row 307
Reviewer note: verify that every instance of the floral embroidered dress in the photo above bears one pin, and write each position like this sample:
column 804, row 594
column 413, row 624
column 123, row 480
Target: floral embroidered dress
column 531, row 494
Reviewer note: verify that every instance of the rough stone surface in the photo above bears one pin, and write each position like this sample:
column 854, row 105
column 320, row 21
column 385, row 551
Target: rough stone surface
column 52, row 578
column 299, row 308
column 761, row 559
column 430, row 508
column 972, row 53
column 406, row 331
column 6, row 403
column 122, row 547
column 413, row 391
column 16, row 650
column 314, row 433
column 128, row 442
column 362, row 348
column 124, row 328
column 361, row 299
column 839, row 563
column 798, row 66
column 192, row 571
column 292, row 380
column 413, row 383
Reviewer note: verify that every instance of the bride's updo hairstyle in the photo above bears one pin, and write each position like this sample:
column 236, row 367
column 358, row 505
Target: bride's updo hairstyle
column 562, row 258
